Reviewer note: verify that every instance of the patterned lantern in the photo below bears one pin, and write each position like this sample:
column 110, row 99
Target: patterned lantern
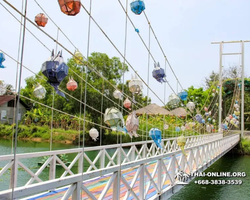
column 94, row 134
column 132, row 124
column 208, row 128
column 55, row 70
column 41, row 20
column 70, row 7
column 173, row 99
column 78, row 57
column 117, row 94
column 206, row 114
column 39, row 92
column 135, row 85
column 165, row 126
column 127, row 103
column 159, row 73
column 191, row 106
column 155, row 134
column 113, row 117
column 71, row 85
column 183, row 95
column 137, row 6
column 205, row 109
column 181, row 141
column 2, row 59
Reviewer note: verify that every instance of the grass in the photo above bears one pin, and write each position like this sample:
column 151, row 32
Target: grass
column 245, row 146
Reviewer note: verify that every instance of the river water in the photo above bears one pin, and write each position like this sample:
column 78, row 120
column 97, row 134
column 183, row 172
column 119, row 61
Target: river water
column 228, row 163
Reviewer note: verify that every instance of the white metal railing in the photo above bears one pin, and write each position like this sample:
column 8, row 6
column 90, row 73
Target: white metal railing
column 124, row 156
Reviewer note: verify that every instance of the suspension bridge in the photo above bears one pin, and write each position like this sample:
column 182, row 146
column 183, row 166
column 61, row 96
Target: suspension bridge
column 145, row 168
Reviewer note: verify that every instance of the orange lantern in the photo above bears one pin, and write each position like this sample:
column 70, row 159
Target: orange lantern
column 70, row 7
column 72, row 84
column 41, row 20
column 127, row 103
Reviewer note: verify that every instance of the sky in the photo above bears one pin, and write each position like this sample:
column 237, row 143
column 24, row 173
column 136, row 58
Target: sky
column 185, row 30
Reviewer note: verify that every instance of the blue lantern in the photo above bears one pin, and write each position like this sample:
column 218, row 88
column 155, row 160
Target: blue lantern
column 183, row 95
column 239, row 84
column 159, row 74
column 137, row 30
column 177, row 129
column 2, row 59
column 224, row 126
column 137, row 6
column 209, row 119
column 55, row 70
column 198, row 117
column 155, row 134
column 236, row 102
column 203, row 121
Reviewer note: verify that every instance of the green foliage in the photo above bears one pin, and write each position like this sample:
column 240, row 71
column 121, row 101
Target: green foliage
column 245, row 146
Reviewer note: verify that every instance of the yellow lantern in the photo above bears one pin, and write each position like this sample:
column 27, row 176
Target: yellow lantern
column 78, row 57
column 181, row 141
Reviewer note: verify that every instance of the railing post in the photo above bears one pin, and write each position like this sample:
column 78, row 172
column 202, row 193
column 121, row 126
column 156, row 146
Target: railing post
column 13, row 176
column 159, row 171
column 80, row 163
column 142, row 182
column 103, row 159
column 77, row 192
column 133, row 153
column 52, row 168
column 116, row 186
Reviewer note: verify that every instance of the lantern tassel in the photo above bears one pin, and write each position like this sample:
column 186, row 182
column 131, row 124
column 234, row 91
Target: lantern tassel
column 55, row 85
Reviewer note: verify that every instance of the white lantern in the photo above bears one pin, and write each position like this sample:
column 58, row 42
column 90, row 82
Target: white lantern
column 208, row 128
column 135, row 85
column 191, row 106
column 94, row 134
column 166, row 126
column 117, row 94
column 39, row 92
column 173, row 99
column 183, row 128
column 213, row 94
column 236, row 106
column 227, row 119
column 213, row 121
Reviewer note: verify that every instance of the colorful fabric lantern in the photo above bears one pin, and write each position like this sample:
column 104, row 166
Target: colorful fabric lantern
column 208, row 128
column 203, row 121
column 230, row 116
column 191, row 106
column 165, row 126
column 177, row 129
column 181, row 141
column 155, row 134
column 117, row 94
column 78, row 57
column 237, row 113
column 132, row 124
column 209, row 119
column 135, row 85
column 236, row 106
column 173, row 99
column 183, row 128
column 206, row 114
column 137, row 6
column 71, row 85
column 183, row 95
column 39, row 92
column 227, row 119
column 113, row 118
column 2, row 59
column 159, row 73
column 41, row 20
column 236, row 102
column 187, row 126
column 205, row 109
column 70, row 7
column 214, row 90
column 94, row 134
column 127, row 103
column 55, row 70
column 198, row 117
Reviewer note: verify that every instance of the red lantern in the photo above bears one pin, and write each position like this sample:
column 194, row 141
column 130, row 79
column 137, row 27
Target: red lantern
column 41, row 20
column 206, row 109
column 127, row 103
column 70, row 7
column 72, row 84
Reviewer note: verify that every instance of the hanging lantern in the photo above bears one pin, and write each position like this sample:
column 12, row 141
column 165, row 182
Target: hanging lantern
column 213, row 94
column 227, row 119
column 213, row 120
column 137, row 6
column 127, row 103
column 39, row 92
column 70, row 7
column 117, row 94
column 205, row 109
column 218, row 86
column 191, row 124
column 71, row 85
column 237, row 113
column 183, row 128
column 78, row 57
column 159, row 73
column 183, row 95
column 177, row 129
column 198, row 117
column 94, row 134
column 2, row 59
column 236, row 106
column 41, row 20
column 230, row 116
column 173, row 99
column 236, row 102
column 209, row 119
column 135, row 85
column 206, row 114
column 217, row 104
column 55, row 70
column 203, row 121
column 165, row 126
column 226, row 123
column 132, row 124
column 214, row 90
column 224, row 126
column 113, row 118
column 181, row 141
column 187, row 126
column 239, row 84
column 191, row 106
column 208, row 128
column 155, row 134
